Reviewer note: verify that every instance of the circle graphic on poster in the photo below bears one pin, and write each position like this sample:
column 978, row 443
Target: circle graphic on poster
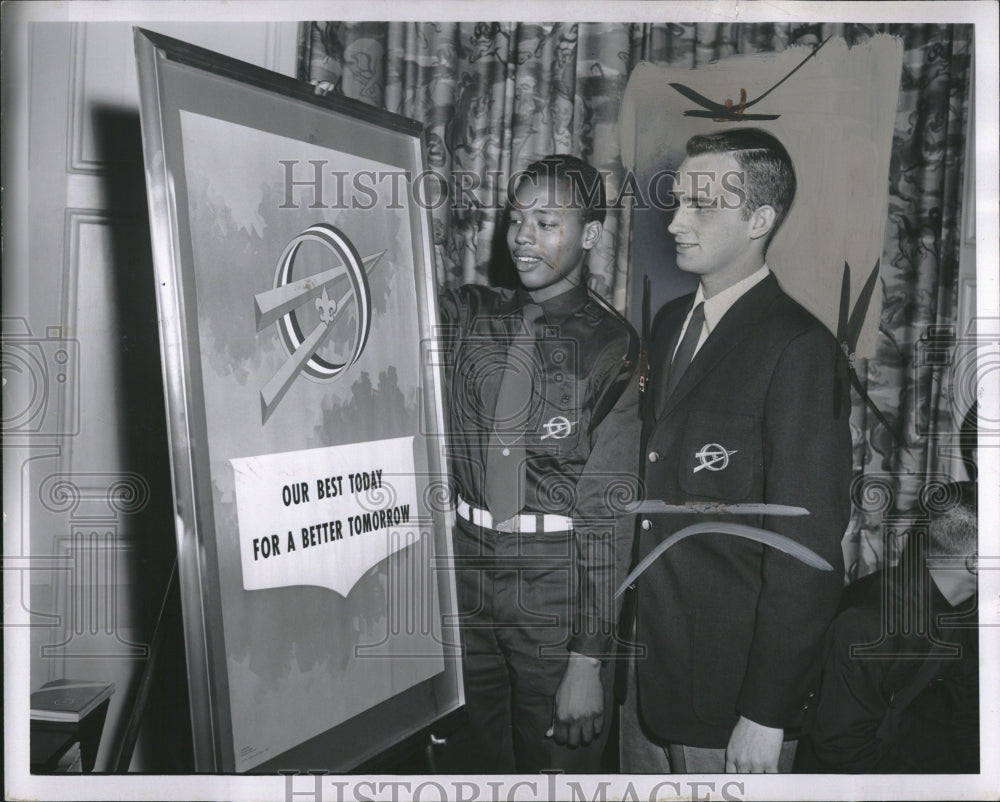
column 328, row 308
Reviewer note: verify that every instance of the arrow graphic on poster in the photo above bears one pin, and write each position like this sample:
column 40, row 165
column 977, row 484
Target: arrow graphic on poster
column 281, row 304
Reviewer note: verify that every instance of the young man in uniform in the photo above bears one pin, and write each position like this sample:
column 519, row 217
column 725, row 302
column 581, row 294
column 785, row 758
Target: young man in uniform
column 534, row 375
column 742, row 410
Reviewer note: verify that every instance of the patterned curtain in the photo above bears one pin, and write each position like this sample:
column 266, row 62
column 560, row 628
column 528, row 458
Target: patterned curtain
column 495, row 96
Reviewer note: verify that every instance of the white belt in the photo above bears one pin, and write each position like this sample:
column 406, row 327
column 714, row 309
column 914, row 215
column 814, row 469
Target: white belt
column 525, row 522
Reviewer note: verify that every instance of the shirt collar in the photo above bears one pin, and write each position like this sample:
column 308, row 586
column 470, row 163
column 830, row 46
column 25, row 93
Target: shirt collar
column 720, row 303
column 556, row 309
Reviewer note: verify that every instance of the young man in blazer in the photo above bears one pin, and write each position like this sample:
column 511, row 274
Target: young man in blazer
column 741, row 409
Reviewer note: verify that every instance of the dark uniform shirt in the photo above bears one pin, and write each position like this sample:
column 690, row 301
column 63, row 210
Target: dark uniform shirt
column 900, row 682
column 574, row 466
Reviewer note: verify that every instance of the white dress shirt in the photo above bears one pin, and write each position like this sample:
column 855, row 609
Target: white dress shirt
column 719, row 304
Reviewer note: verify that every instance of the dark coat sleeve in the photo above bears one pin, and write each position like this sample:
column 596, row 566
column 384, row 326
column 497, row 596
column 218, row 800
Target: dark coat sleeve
column 807, row 463
column 606, row 484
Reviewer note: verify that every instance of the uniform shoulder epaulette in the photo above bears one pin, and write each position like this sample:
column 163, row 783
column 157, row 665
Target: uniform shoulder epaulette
column 599, row 309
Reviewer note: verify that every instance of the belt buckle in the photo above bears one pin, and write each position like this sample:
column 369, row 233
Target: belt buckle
column 510, row 525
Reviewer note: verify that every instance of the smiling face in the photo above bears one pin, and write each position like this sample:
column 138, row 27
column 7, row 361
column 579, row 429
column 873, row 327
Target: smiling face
column 548, row 241
column 714, row 236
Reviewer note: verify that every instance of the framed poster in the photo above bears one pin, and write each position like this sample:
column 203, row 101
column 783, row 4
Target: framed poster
column 304, row 426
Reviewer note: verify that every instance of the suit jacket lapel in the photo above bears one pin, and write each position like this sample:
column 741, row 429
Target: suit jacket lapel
column 659, row 359
column 730, row 332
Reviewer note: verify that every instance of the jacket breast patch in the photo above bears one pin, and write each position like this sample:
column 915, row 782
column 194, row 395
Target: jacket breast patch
column 719, row 455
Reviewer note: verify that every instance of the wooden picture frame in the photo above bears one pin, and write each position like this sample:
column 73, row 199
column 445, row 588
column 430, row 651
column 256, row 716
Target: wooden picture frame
column 305, row 420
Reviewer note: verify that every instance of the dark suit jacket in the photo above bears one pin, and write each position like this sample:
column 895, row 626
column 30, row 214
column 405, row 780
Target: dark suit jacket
column 733, row 627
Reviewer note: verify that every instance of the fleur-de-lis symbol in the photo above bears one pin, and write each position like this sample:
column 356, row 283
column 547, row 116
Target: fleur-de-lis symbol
column 281, row 304
column 327, row 308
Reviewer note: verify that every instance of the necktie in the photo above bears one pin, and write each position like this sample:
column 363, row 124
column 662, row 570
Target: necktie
column 505, row 457
column 685, row 351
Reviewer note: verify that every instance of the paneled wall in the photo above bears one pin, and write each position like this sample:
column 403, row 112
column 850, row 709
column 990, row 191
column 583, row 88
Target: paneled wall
column 91, row 474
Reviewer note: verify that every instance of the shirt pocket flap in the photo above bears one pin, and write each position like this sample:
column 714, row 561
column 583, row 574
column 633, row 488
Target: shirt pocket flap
column 719, row 455
column 561, row 418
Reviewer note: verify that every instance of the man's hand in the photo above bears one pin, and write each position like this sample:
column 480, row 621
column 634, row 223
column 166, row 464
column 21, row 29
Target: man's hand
column 753, row 748
column 578, row 708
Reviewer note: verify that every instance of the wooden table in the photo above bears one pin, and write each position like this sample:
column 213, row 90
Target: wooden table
column 50, row 740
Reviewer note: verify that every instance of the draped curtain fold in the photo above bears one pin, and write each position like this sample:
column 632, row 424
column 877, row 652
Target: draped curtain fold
column 495, row 96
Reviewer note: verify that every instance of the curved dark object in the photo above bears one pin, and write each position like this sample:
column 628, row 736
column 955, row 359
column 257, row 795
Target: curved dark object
column 768, row 538
column 721, row 112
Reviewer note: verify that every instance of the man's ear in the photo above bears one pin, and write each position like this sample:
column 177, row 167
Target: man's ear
column 592, row 233
column 762, row 221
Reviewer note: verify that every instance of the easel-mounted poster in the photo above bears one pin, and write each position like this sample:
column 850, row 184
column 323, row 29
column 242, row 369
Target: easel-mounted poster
column 305, row 428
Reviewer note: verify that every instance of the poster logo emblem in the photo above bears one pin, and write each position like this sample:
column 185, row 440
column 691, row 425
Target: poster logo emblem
column 712, row 456
column 290, row 298
column 558, row 428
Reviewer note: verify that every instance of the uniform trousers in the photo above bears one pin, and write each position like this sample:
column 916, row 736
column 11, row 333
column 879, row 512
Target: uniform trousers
column 515, row 600
column 641, row 753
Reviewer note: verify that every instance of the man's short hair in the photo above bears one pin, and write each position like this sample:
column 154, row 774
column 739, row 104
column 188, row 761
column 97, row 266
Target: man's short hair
column 582, row 179
column 954, row 529
column 768, row 174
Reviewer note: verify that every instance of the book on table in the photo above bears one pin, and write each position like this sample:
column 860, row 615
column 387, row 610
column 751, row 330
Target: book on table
column 68, row 700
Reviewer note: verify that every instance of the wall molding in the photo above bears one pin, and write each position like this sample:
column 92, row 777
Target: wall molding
column 76, row 162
